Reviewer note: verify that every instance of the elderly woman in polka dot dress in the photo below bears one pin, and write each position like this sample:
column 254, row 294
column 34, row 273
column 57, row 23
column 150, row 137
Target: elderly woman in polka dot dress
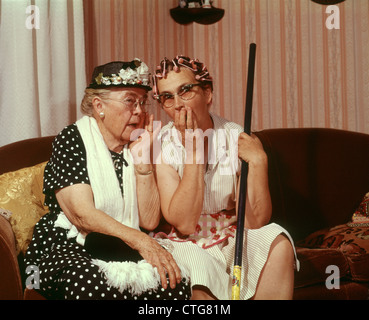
column 101, row 195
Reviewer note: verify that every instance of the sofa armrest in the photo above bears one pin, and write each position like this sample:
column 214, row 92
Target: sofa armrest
column 10, row 280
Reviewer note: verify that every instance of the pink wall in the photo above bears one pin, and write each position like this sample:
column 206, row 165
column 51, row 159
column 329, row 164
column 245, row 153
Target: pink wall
column 306, row 74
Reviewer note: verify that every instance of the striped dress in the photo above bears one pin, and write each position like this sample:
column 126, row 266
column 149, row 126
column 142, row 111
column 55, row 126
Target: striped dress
column 209, row 252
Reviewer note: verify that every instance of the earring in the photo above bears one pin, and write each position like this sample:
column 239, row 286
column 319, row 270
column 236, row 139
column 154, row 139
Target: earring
column 102, row 115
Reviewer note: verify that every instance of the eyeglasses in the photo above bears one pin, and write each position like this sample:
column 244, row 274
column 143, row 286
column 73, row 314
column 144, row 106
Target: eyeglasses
column 132, row 103
column 185, row 93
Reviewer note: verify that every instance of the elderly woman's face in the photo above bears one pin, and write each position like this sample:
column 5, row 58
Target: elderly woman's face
column 123, row 113
column 173, row 83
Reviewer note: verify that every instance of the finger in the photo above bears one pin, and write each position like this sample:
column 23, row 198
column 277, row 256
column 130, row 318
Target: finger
column 163, row 276
column 257, row 140
column 195, row 126
column 146, row 122
column 149, row 120
column 142, row 122
column 156, row 128
column 170, row 267
column 182, row 119
column 176, row 119
column 180, row 123
column 176, row 124
column 189, row 122
column 171, row 275
column 173, row 271
column 177, row 271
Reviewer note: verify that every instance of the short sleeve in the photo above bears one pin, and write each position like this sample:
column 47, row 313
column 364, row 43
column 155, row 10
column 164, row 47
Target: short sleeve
column 67, row 165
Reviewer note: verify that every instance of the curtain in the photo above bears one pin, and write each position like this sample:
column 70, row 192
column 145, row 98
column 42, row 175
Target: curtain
column 42, row 67
column 307, row 74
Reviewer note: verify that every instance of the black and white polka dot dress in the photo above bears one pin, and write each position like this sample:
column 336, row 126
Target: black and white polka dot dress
column 65, row 267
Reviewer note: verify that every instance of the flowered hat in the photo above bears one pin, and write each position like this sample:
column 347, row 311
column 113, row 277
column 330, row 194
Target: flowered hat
column 121, row 74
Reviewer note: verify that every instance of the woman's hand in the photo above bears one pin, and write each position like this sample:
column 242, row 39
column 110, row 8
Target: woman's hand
column 186, row 124
column 142, row 146
column 184, row 119
column 148, row 200
column 160, row 258
column 258, row 202
column 250, row 149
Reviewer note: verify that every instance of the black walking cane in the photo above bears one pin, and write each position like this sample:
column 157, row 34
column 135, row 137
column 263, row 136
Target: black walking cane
column 236, row 280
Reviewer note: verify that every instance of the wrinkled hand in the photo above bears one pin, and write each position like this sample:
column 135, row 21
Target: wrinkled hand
column 142, row 146
column 186, row 124
column 160, row 258
column 250, row 149
column 185, row 119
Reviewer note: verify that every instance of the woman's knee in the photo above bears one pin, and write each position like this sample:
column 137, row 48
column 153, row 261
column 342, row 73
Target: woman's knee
column 283, row 249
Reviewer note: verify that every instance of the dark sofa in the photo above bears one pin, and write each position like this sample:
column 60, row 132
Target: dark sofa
column 317, row 177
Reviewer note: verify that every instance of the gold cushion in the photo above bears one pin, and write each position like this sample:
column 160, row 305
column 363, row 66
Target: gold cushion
column 21, row 193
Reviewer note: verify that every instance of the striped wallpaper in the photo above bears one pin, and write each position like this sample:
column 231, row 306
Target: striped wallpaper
column 306, row 74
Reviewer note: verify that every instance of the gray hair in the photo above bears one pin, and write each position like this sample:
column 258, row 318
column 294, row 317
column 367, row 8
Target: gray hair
column 86, row 104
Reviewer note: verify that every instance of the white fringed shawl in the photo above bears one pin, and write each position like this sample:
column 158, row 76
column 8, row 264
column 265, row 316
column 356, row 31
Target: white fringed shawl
column 104, row 183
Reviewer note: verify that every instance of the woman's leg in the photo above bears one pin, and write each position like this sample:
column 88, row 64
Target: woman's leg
column 276, row 280
column 201, row 293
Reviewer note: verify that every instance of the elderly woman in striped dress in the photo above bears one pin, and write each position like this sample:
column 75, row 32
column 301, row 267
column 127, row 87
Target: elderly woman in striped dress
column 198, row 180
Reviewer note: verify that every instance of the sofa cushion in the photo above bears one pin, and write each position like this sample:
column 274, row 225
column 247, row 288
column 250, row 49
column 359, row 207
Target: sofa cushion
column 352, row 242
column 360, row 218
column 21, row 194
column 10, row 280
column 314, row 263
